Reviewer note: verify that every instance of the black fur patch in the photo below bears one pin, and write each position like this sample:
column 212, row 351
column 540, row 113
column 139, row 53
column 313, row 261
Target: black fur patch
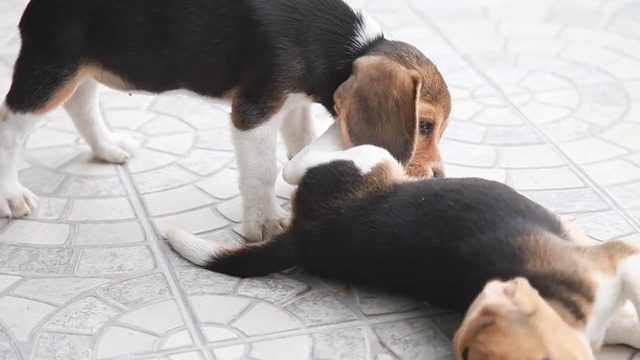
column 439, row 240
column 261, row 49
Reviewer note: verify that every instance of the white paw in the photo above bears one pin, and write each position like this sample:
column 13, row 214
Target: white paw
column 258, row 228
column 16, row 201
column 117, row 150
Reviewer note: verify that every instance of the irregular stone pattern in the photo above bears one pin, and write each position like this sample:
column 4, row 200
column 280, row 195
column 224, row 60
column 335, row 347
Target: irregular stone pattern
column 546, row 98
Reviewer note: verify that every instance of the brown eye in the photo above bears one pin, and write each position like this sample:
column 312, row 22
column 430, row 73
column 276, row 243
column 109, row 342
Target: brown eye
column 425, row 127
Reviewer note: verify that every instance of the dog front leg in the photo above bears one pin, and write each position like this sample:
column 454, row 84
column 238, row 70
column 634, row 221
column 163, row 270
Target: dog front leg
column 255, row 148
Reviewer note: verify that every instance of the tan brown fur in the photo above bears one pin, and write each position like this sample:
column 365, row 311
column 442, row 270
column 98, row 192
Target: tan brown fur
column 490, row 332
column 389, row 79
column 550, row 254
column 434, row 106
column 242, row 122
column 59, row 95
column 510, row 321
column 87, row 70
column 606, row 256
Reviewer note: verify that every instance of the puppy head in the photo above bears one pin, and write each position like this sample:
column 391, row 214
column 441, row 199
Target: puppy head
column 399, row 104
column 511, row 321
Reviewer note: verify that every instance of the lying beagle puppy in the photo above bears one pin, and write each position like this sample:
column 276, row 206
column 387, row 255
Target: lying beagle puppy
column 268, row 59
column 542, row 290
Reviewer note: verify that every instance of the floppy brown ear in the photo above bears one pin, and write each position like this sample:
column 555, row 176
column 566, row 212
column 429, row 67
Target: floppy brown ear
column 467, row 332
column 378, row 105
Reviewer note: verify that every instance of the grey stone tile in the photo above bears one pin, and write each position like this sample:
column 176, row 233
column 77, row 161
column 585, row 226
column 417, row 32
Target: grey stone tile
column 7, row 350
column 414, row 339
column 121, row 341
column 377, row 303
column 320, row 308
column 568, row 129
column 22, row 316
column 52, row 346
column 265, row 319
column 50, row 208
column 7, row 281
column 122, row 232
column 147, row 317
column 271, row 288
column 626, row 195
column 94, row 187
column 516, row 135
column 56, row 290
column 569, row 201
column 41, row 181
column 206, row 162
column 138, row 291
column 147, row 160
column 542, row 179
column 288, row 348
column 176, row 200
column 216, row 309
column 201, row 281
column 163, row 179
column 27, row 260
column 115, row 261
column 340, row 344
column 196, row 221
column 23, row 232
column 87, row 315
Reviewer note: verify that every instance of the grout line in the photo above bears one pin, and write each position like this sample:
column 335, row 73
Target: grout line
column 160, row 257
column 163, row 263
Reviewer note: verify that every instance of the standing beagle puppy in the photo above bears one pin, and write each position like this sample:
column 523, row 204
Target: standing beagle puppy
column 269, row 59
column 533, row 285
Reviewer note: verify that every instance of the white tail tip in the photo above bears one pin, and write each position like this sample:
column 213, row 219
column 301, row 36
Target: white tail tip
column 191, row 247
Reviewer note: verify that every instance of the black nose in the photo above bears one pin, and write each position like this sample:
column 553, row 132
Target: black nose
column 438, row 175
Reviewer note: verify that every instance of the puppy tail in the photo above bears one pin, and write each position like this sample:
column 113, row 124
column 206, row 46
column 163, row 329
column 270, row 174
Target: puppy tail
column 249, row 260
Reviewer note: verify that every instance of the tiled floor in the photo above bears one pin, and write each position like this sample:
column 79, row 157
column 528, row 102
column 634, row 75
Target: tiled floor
column 546, row 98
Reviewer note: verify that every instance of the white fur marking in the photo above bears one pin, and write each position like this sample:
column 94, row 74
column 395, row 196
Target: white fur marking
column 624, row 328
column 256, row 157
column 329, row 147
column 607, row 300
column 191, row 247
column 614, row 319
column 629, row 271
column 298, row 129
column 368, row 31
column 15, row 199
